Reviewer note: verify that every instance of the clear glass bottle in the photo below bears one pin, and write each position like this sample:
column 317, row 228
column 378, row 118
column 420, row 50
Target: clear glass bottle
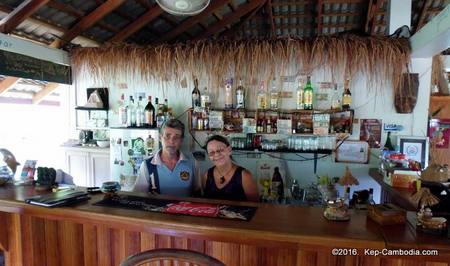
column 262, row 97
column 229, row 94
column 240, row 96
column 274, row 95
column 335, row 99
column 308, row 95
column 300, row 95
column 122, row 111
column 131, row 113
column 205, row 99
column 139, row 113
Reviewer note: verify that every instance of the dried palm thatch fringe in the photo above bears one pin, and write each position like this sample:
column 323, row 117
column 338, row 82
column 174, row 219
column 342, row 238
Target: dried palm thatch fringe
column 382, row 60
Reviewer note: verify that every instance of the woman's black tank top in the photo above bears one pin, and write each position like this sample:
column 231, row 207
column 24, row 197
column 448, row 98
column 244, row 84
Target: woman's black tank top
column 231, row 191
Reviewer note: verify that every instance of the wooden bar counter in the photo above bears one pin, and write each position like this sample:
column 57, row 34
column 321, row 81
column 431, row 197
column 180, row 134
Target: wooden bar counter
column 277, row 235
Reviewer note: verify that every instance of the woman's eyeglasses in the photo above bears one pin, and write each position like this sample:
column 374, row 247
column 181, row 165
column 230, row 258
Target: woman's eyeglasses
column 217, row 152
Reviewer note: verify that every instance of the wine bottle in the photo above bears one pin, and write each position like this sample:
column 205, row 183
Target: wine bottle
column 149, row 113
column 308, row 95
column 195, row 95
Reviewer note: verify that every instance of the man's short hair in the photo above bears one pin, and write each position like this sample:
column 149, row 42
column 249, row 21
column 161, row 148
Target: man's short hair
column 174, row 123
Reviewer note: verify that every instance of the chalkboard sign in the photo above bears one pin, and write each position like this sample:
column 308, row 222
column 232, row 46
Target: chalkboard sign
column 22, row 66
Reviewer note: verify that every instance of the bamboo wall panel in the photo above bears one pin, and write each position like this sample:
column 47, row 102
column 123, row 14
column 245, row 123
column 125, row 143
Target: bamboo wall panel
column 42, row 241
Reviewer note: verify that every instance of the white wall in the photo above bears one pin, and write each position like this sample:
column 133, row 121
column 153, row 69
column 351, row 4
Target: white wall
column 367, row 102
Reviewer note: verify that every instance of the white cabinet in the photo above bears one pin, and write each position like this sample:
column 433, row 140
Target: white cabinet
column 88, row 166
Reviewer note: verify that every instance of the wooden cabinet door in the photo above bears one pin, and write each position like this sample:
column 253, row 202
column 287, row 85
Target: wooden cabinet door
column 77, row 165
column 100, row 170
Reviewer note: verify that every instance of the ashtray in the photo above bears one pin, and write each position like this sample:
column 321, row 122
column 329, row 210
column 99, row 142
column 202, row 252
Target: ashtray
column 110, row 187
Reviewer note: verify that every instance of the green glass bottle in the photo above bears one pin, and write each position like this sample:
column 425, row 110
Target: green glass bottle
column 388, row 145
column 308, row 95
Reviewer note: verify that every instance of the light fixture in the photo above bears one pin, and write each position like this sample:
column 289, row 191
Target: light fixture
column 183, row 7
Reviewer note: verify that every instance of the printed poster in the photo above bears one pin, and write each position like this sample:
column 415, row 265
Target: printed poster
column 370, row 131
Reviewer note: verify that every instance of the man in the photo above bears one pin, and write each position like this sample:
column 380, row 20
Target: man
column 169, row 171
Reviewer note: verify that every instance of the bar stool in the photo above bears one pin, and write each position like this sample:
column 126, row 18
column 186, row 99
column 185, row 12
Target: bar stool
column 171, row 254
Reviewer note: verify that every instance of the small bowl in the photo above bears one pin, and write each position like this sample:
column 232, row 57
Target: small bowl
column 110, row 187
column 103, row 143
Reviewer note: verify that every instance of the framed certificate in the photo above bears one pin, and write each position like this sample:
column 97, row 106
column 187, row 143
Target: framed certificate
column 352, row 151
column 415, row 148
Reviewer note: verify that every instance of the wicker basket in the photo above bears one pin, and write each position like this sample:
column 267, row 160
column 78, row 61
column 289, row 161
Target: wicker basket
column 406, row 94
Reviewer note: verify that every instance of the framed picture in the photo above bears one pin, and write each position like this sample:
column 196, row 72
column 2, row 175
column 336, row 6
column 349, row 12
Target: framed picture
column 415, row 148
column 352, row 151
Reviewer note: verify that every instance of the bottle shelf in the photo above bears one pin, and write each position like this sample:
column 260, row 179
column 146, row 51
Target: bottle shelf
column 320, row 151
column 91, row 108
column 135, row 128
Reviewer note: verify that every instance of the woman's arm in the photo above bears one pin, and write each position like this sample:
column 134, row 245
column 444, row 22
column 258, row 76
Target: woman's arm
column 249, row 185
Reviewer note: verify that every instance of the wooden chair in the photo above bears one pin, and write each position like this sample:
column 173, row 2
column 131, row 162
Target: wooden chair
column 171, row 254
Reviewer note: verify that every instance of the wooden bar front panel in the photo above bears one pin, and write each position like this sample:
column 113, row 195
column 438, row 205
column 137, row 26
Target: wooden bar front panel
column 42, row 241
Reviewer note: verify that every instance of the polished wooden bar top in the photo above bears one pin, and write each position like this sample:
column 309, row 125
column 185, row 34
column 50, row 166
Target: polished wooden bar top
column 278, row 225
column 400, row 196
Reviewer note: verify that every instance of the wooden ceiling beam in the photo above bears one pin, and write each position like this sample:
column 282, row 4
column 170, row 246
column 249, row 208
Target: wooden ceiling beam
column 136, row 25
column 19, row 14
column 269, row 10
column 422, row 15
column 188, row 23
column 88, row 21
column 241, row 11
column 47, row 90
column 237, row 26
column 319, row 16
column 78, row 14
column 7, row 84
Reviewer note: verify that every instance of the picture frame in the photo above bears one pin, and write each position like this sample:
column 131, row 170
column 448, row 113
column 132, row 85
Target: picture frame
column 352, row 151
column 415, row 148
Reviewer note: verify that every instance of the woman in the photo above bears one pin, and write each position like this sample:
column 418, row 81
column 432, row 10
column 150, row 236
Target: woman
column 226, row 180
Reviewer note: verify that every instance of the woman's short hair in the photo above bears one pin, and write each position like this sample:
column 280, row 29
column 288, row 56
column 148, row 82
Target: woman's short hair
column 218, row 138
column 174, row 123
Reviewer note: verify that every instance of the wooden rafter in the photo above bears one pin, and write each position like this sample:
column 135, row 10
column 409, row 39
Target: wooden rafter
column 319, row 16
column 372, row 12
column 237, row 26
column 188, row 23
column 7, row 84
column 78, row 14
column 19, row 14
column 270, row 13
column 422, row 16
column 241, row 11
column 88, row 21
column 43, row 23
column 40, row 95
column 136, row 25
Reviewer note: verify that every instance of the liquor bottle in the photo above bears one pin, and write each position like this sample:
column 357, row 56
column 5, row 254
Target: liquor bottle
column 205, row 99
column 388, row 145
column 347, row 197
column 149, row 145
column 131, row 113
column 335, row 101
column 240, row 96
column 263, row 125
column 160, row 118
column 166, row 106
column 370, row 201
column 156, row 107
column 268, row 126
column 346, row 96
column 308, row 95
column 262, row 97
column 300, row 95
column 274, row 95
column 259, row 125
column 195, row 95
column 139, row 113
column 274, row 124
column 277, row 184
column 122, row 111
column 229, row 94
column 149, row 113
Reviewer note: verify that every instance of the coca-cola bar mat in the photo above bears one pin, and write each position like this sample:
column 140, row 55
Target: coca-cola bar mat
column 224, row 211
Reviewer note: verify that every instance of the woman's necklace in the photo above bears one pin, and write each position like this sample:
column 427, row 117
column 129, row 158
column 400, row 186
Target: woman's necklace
column 222, row 178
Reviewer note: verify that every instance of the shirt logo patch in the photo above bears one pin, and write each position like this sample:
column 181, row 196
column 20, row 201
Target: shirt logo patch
column 184, row 175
